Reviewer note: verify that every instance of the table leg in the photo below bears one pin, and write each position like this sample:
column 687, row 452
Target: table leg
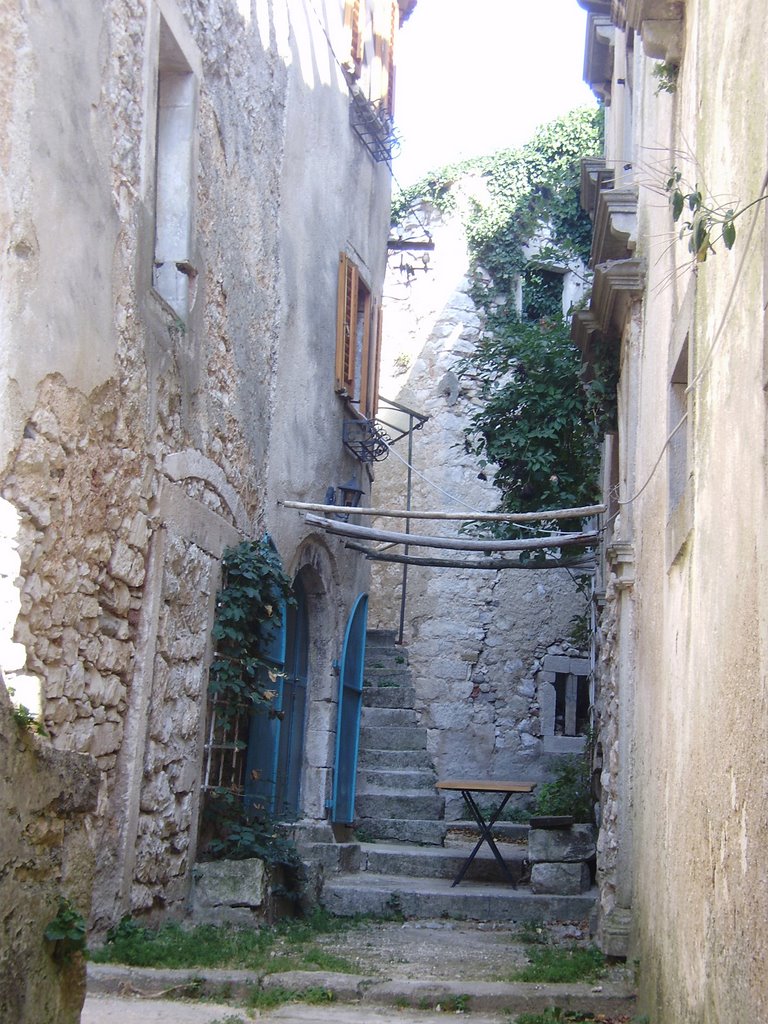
column 486, row 836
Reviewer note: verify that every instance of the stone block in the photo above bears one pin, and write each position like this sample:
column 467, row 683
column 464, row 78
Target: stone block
column 560, row 878
column 568, row 844
column 230, row 883
column 614, row 932
column 557, row 663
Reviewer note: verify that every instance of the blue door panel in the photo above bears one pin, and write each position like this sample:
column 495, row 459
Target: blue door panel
column 350, row 706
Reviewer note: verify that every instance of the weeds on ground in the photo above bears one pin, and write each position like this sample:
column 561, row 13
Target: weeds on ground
column 268, row 999
column 285, row 946
column 533, row 933
column 562, row 965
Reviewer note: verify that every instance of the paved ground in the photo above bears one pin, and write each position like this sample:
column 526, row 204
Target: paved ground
column 400, row 968
column 114, row 1010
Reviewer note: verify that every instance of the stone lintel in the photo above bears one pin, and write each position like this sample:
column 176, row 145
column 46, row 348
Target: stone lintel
column 194, row 521
column 598, row 55
column 621, row 558
column 191, row 464
column 616, row 284
column 659, row 22
column 595, row 176
column 615, row 231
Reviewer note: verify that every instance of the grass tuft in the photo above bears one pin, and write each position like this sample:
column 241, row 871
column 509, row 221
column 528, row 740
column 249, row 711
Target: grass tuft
column 562, row 965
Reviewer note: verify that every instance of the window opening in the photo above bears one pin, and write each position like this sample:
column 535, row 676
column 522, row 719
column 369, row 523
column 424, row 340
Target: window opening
column 173, row 274
column 571, row 704
column 678, row 445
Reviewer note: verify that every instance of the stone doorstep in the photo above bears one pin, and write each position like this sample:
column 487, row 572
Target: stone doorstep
column 517, row 997
column 426, row 898
column 437, row 861
column 403, row 830
column 387, row 805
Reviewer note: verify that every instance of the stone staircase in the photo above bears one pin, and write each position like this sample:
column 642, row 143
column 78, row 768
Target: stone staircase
column 396, row 796
column 407, row 855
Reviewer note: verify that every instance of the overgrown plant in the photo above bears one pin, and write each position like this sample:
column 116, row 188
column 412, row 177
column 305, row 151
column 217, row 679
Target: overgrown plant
column 536, row 420
column 25, row 718
column 237, row 836
column 249, row 609
column 666, row 74
column 703, row 220
column 66, row 931
column 569, row 792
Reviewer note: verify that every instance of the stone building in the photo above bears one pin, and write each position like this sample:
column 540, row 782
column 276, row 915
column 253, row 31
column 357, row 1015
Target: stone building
column 480, row 643
column 682, row 667
column 182, row 184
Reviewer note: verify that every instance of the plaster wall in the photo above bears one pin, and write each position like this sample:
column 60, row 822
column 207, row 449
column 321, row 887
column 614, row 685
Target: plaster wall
column 140, row 438
column 476, row 639
column 695, row 690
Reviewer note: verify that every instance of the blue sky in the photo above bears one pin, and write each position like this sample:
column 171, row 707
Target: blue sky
column 474, row 76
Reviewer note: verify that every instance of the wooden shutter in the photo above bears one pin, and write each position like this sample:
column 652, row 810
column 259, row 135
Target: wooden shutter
column 388, row 91
column 369, row 387
column 352, row 27
column 346, row 325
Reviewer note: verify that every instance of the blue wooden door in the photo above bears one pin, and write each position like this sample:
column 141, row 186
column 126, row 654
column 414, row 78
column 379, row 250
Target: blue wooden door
column 350, row 705
column 275, row 755
column 264, row 726
column 293, row 705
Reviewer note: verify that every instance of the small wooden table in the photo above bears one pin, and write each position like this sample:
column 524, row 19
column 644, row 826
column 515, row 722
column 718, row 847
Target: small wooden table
column 469, row 786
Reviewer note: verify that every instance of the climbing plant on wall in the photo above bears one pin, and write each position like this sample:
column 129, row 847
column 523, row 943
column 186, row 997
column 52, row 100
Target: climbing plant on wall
column 537, row 421
column 249, row 607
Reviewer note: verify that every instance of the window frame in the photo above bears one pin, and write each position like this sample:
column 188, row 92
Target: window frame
column 358, row 339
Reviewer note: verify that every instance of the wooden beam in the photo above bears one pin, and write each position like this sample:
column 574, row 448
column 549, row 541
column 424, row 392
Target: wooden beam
column 487, row 564
column 481, row 517
column 557, row 540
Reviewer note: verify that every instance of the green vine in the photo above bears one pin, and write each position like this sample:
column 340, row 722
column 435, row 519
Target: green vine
column 249, row 610
column 536, row 421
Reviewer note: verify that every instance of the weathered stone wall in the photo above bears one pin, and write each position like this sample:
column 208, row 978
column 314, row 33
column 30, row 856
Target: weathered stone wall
column 45, row 795
column 686, row 656
column 138, row 443
column 475, row 638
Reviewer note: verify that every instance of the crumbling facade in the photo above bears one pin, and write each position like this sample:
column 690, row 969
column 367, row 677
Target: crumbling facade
column 182, row 182
column 680, row 291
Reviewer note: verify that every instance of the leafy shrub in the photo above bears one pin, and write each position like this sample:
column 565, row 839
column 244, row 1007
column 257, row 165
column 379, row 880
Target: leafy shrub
column 569, row 792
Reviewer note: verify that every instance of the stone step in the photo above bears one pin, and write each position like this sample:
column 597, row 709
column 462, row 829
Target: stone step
column 369, row 893
column 401, row 830
column 403, row 759
column 389, row 697
column 395, row 805
column 386, row 676
column 334, row 857
column 381, row 636
column 440, row 862
column 457, row 831
column 376, row 780
column 394, row 738
column 374, row 718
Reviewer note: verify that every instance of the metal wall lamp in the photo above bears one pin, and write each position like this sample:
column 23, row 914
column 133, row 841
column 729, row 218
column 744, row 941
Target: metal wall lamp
column 348, row 495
